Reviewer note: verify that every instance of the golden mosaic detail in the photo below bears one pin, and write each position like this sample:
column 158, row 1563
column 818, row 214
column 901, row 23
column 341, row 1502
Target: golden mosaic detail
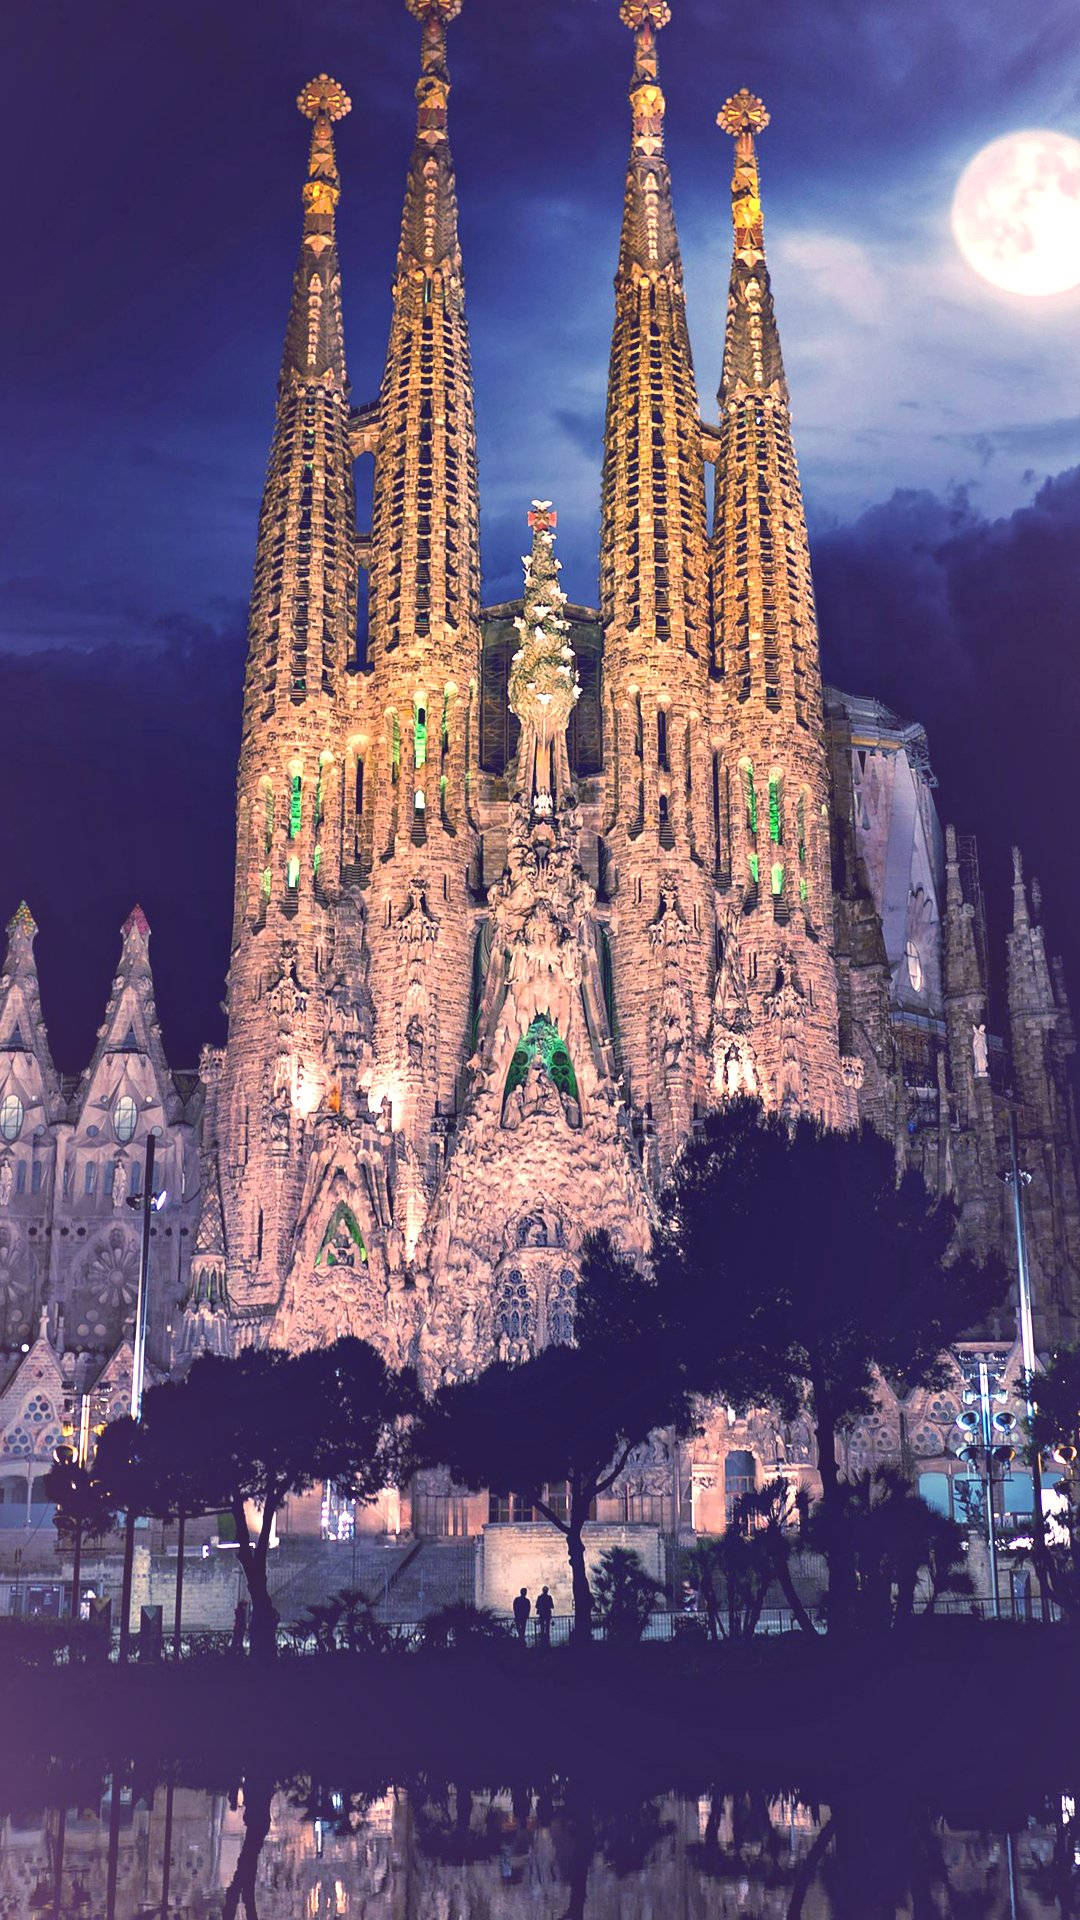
column 323, row 96
column 743, row 112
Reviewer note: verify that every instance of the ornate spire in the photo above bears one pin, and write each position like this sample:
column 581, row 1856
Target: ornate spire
column 314, row 339
column 426, row 518
column 1021, row 916
column 652, row 566
column 752, row 359
column 544, row 686
column 21, row 933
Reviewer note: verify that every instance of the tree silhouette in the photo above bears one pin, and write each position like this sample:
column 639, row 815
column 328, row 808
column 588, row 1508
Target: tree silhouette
column 82, row 1511
column 794, row 1263
column 1055, row 1429
column 253, row 1431
column 571, row 1416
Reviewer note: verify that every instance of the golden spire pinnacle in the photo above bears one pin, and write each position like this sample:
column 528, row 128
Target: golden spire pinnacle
column 322, row 101
column 646, row 18
column 433, row 86
column 314, row 345
column 742, row 116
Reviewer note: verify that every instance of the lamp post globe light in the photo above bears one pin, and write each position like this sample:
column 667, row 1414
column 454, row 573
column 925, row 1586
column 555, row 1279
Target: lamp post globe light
column 986, row 1443
column 149, row 1202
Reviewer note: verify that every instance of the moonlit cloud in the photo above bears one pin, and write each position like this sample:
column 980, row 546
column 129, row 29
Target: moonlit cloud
column 138, row 365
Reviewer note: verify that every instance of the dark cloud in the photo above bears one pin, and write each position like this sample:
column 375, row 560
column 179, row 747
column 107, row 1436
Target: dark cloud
column 120, row 766
column 969, row 625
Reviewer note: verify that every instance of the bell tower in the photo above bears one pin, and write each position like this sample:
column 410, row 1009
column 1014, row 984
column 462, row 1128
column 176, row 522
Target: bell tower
column 775, row 1025
column 653, row 593
column 301, row 639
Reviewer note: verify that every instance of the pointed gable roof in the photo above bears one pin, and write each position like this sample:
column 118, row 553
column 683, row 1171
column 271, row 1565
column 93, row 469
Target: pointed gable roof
column 130, row 1027
column 24, row 1042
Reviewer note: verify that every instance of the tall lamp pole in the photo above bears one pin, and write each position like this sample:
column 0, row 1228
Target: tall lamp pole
column 138, row 1374
column 1018, row 1180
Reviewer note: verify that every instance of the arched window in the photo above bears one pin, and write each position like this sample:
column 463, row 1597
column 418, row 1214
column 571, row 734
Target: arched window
column 776, row 822
column 560, row 1310
column 662, row 757
column 296, row 805
column 125, row 1118
column 419, row 733
column 749, row 795
column 515, row 1317
column 740, row 1477
column 11, row 1116
column 914, row 966
column 544, row 1042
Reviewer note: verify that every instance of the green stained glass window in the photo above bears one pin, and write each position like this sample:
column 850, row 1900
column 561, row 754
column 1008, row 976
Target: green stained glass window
column 295, row 806
column 395, row 749
column 775, row 826
column 420, row 737
column 544, row 1041
column 804, row 891
column 316, row 861
column 777, row 877
column 343, row 1242
column 755, row 868
column 751, row 796
column 801, row 825
column 266, row 883
column 292, row 873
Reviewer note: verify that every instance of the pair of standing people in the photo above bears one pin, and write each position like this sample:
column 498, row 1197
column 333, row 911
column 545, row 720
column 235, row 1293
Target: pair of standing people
column 545, row 1607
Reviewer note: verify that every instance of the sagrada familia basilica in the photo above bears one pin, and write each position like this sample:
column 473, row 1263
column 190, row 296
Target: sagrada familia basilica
column 522, row 891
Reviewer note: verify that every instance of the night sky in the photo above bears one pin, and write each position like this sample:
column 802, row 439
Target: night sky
column 152, row 157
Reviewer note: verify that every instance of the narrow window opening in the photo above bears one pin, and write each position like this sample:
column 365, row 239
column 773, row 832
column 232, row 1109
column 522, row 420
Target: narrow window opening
column 776, row 877
column 776, row 824
column 295, row 806
column 750, row 796
column 259, row 1234
column 662, row 757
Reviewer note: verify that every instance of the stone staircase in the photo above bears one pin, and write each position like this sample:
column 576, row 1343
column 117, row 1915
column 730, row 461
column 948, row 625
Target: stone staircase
column 404, row 1580
column 308, row 1573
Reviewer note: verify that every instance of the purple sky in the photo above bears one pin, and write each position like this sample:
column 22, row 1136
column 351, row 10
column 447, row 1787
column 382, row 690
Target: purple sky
column 152, row 162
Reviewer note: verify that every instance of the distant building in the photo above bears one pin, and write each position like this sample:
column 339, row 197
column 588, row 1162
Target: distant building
column 522, row 892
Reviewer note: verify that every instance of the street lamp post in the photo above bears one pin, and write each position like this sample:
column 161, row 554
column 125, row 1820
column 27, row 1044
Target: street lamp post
column 986, row 1442
column 138, row 1373
column 1017, row 1180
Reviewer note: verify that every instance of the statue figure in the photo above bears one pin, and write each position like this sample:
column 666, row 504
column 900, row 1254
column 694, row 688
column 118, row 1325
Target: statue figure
column 120, row 1180
column 414, row 1040
column 539, row 1092
column 279, row 1124
column 980, row 1051
column 7, row 1178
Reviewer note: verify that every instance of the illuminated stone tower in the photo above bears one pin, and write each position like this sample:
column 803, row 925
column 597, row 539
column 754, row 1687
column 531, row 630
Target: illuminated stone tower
column 653, row 583
column 289, row 795
column 775, row 1018
column 543, row 1151
column 415, row 748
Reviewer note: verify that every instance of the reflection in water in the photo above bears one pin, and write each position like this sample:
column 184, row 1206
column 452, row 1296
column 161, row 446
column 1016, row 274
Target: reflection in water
column 130, row 1848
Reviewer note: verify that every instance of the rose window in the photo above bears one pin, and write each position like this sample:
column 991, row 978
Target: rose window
column 110, row 1271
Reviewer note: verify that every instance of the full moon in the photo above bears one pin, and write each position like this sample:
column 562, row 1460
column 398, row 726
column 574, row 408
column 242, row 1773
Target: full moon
column 1016, row 213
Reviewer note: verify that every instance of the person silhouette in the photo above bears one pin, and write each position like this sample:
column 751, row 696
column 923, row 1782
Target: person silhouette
column 522, row 1610
column 545, row 1607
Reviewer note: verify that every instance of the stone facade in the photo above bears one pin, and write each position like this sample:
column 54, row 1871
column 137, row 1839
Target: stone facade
column 521, row 893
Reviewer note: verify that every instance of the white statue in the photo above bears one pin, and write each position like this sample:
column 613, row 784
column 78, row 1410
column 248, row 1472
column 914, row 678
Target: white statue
column 7, row 1176
column 980, row 1052
column 120, row 1181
